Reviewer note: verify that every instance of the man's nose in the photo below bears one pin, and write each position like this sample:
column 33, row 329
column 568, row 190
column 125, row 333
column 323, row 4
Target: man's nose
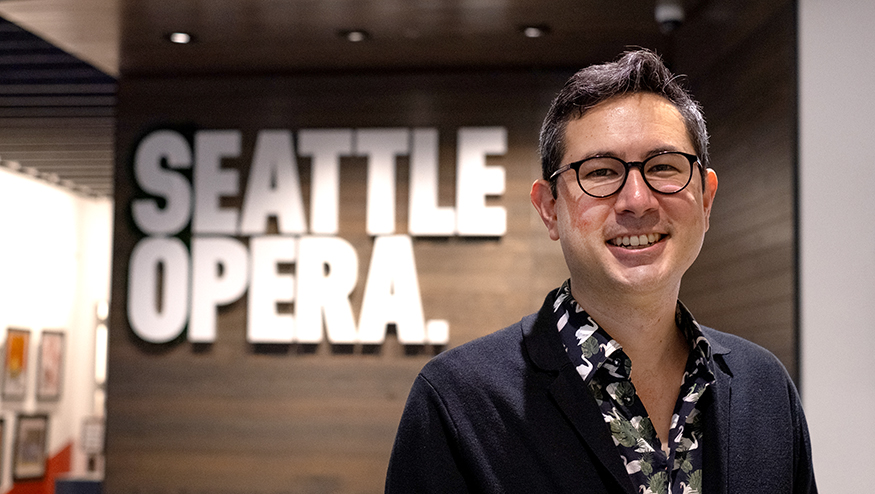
column 636, row 196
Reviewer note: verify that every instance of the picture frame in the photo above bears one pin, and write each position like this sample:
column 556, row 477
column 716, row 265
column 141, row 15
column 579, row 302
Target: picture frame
column 15, row 363
column 29, row 452
column 93, row 435
column 50, row 376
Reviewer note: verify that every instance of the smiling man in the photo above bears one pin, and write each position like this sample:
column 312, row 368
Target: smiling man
column 612, row 386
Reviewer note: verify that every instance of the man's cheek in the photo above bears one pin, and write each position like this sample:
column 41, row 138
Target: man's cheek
column 581, row 223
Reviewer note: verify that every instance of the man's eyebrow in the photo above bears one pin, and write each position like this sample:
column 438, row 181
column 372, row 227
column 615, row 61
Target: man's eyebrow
column 665, row 149
column 599, row 154
column 651, row 152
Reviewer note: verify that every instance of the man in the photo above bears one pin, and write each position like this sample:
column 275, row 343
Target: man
column 612, row 386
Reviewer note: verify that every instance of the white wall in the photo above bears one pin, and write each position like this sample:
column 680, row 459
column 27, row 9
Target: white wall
column 837, row 236
column 55, row 251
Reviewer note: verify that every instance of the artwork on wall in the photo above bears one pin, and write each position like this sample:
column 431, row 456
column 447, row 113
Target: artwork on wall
column 93, row 434
column 29, row 452
column 15, row 364
column 51, row 362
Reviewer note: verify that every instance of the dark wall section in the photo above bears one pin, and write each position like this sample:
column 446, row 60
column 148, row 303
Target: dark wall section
column 744, row 280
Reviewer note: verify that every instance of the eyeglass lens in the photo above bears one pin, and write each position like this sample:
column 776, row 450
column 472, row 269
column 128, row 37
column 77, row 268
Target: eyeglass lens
column 667, row 173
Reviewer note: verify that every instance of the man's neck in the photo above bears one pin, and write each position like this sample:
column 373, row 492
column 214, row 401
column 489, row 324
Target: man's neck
column 644, row 324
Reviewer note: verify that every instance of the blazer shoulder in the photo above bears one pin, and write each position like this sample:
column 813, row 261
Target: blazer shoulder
column 480, row 351
column 741, row 355
column 487, row 361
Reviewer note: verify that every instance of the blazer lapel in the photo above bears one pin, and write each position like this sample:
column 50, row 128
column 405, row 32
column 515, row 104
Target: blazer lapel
column 571, row 396
column 581, row 410
column 717, row 424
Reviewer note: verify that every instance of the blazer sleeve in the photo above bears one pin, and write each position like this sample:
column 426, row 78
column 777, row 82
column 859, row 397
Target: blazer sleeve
column 803, row 481
column 425, row 457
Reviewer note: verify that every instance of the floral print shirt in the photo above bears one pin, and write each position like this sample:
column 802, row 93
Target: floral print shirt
column 606, row 370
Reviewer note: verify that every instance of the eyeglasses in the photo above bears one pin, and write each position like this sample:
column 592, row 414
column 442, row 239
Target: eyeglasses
column 668, row 172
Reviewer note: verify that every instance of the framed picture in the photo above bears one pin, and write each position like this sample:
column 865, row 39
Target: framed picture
column 93, row 433
column 29, row 452
column 15, row 364
column 51, row 365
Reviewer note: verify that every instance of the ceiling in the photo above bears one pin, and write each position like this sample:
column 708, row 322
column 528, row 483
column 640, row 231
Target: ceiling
column 306, row 35
column 128, row 38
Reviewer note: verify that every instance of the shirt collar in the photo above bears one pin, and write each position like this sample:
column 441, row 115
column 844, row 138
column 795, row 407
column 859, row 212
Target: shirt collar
column 589, row 346
column 693, row 333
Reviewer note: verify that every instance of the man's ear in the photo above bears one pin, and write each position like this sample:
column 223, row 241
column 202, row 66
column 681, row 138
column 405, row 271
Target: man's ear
column 545, row 203
column 708, row 195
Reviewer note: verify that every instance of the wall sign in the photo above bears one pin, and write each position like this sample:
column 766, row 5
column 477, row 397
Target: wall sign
column 174, row 286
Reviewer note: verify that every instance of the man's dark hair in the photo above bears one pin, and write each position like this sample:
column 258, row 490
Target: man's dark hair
column 638, row 71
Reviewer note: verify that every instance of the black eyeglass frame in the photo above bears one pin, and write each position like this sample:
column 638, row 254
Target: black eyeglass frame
column 692, row 158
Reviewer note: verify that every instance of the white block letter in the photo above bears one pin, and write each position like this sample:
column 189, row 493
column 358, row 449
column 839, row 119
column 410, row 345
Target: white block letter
column 158, row 313
column 426, row 218
column 211, row 181
column 273, row 187
column 437, row 331
column 162, row 182
column 381, row 146
column 220, row 273
column 268, row 286
column 392, row 293
column 327, row 274
column 475, row 181
column 326, row 147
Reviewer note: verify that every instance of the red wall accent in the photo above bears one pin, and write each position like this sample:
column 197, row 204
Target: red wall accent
column 56, row 465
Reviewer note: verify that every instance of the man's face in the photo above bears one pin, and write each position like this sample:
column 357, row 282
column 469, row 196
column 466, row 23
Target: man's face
column 596, row 234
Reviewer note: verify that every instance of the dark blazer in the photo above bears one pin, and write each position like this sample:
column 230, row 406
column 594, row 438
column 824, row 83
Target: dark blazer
column 508, row 413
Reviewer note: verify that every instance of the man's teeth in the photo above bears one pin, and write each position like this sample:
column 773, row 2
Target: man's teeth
column 636, row 240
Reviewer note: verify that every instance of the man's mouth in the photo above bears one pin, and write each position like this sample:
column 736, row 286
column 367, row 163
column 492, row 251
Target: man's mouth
column 636, row 241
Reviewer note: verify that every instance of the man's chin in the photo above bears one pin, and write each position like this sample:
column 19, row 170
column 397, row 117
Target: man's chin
column 640, row 278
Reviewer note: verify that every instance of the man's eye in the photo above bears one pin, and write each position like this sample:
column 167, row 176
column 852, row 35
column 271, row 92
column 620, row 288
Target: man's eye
column 662, row 169
column 601, row 173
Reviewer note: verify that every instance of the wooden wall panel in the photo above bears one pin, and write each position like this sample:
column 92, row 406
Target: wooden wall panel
column 230, row 418
column 744, row 282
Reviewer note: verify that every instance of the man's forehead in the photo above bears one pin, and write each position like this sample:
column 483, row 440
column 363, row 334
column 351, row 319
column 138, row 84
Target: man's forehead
column 650, row 119
column 620, row 101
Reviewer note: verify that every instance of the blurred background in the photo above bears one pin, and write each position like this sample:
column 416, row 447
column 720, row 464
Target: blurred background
column 787, row 262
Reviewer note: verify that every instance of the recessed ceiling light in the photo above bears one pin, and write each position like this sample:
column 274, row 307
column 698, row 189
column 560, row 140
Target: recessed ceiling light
column 535, row 31
column 179, row 38
column 669, row 15
column 355, row 35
